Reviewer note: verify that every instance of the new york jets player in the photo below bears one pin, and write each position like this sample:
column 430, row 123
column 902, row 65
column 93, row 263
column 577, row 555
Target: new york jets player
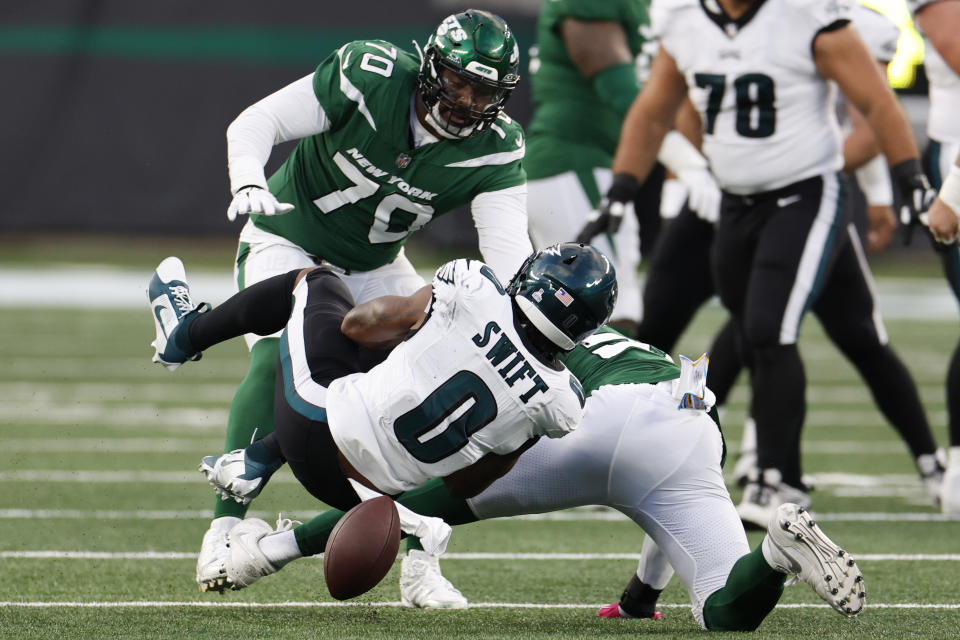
column 647, row 448
column 586, row 67
column 387, row 141
column 939, row 21
column 759, row 73
column 475, row 384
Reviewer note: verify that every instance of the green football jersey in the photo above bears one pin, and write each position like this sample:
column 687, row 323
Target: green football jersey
column 572, row 128
column 359, row 188
column 608, row 357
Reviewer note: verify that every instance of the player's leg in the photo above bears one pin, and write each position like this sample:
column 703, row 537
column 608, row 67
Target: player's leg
column 847, row 309
column 795, row 235
column 260, row 256
column 938, row 159
column 678, row 280
column 557, row 209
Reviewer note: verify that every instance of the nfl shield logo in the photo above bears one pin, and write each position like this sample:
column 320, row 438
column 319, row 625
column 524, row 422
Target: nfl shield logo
column 403, row 160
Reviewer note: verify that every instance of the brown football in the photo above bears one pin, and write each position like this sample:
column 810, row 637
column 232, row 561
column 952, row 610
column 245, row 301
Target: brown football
column 362, row 547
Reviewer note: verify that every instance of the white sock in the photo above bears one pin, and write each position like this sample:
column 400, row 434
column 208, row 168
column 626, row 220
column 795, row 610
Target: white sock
column 280, row 547
column 224, row 523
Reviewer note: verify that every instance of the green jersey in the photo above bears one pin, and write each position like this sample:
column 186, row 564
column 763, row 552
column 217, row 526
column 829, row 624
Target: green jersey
column 608, row 357
column 359, row 188
column 572, row 127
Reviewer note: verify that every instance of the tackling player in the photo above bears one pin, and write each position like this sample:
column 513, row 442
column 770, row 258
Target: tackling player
column 476, row 383
column 647, row 448
column 388, row 140
column 761, row 77
column 939, row 22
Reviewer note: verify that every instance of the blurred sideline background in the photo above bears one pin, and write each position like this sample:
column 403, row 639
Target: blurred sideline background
column 116, row 113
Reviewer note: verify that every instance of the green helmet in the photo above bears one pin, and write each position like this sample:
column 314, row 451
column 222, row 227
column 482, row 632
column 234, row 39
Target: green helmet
column 567, row 291
column 481, row 59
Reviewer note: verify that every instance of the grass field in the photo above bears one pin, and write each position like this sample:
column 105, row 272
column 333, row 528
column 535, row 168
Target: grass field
column 102, row 510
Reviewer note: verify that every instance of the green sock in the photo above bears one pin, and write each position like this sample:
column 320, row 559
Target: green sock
column 251, row 411
column 432, row 499
column 751, row 592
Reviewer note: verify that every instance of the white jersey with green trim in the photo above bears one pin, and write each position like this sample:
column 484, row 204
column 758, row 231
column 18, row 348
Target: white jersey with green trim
column 462, row 386
column 768, row 115
column 943, row 124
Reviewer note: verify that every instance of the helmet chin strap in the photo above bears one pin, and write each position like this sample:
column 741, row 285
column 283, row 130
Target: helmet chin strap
column 435, row 120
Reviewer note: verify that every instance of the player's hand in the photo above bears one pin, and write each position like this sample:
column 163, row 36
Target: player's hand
column 942, row 222
column 703, row 193
column 881, row 224
column 256, row 200
column 915, row 191
column 613, row 206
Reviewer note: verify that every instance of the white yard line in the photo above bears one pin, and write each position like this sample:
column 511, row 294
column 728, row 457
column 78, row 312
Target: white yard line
column 145, row 604
column 183, row 555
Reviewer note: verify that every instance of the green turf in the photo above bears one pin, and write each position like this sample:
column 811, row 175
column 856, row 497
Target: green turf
column 79, row 395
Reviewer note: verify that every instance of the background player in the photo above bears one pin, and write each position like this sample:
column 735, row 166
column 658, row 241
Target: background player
column 771, row 137
column 939, row 21
column 588, row 63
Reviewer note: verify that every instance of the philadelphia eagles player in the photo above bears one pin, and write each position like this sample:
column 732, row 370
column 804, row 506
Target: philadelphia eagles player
column 763, row 75
column 939, row 22
column 588, row 63
column 388, row 140
column 646, row 447
column 473, row 386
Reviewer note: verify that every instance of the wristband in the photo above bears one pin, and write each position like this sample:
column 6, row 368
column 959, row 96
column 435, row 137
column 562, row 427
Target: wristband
column 950, row 190
column 617, row 86
column 874, row 181
column 245, row 171
column 624, row 188
column 677, row 153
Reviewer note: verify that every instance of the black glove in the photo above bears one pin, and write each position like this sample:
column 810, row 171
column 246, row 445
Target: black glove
column 609, row 214
column 916, row 194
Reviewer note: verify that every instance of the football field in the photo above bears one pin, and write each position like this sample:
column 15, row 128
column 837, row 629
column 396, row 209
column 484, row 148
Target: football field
column 102, row 509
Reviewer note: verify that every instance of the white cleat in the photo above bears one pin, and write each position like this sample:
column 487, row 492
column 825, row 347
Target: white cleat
column 211, row 574
column 246, row 562
column 932, row 467
column 423, row 586
column 950, row 488
column 796, row 545
column 173, row 312
column 765, row 491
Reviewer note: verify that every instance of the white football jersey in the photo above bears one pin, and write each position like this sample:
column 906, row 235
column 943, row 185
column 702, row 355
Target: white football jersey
column 463, row 386
column 943, row 124
column 769, row 117
column 879, row 32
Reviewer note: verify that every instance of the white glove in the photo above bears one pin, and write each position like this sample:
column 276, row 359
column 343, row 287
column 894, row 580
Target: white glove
column 672, row 198
column 703, row 193
column 256, row 200
column 434, row 533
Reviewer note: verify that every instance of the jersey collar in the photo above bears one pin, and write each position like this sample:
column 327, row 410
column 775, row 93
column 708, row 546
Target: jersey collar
column 720, row 17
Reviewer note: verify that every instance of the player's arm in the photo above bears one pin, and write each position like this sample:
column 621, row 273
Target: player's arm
column 501, row 221
column 384, row 322
column 649, row 119
column 471, row 481
column 291, row 113
column 939, row 22
column 944, row 213
column 600, row 52
column 841, row 55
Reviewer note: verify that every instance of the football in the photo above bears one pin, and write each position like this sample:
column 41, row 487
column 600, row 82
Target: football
column 362, row 547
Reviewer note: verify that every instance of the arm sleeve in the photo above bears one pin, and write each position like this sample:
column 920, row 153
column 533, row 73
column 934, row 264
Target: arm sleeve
column 291, row 113
column 501, row 221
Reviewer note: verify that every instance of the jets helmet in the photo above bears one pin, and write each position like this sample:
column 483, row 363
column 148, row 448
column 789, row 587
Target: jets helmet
column 567, row 291
column 469, row 67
